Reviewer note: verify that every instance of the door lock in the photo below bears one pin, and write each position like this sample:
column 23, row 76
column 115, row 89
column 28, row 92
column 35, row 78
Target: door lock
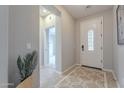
column 82, row 47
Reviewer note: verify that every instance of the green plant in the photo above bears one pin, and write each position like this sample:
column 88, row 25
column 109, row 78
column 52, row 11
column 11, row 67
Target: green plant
column 27, row 64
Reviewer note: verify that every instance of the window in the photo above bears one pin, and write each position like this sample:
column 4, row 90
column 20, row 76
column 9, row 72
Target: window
column 90, row 40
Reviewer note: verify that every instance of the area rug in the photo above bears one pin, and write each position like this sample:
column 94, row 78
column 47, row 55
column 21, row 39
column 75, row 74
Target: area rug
column 83, row 77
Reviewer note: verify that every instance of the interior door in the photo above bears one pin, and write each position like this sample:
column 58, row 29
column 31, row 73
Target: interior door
column 91, row 39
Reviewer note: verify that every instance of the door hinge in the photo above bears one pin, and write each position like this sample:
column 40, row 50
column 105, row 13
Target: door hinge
column 101, row 61
column 101, row 48
column 101, row 22
column 101, row 35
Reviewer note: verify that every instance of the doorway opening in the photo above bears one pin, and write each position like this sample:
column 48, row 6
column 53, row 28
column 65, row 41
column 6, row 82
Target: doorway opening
column 50, row 44
column 47, row 38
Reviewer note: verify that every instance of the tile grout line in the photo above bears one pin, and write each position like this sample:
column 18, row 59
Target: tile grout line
column 65, row 77
column 105, row 80
column 115, row 78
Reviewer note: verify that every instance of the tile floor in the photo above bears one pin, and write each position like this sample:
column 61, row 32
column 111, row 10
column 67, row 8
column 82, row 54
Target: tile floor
column 77, row 77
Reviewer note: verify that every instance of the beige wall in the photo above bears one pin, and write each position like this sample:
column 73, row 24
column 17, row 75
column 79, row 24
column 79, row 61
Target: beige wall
column 68, row 38
column 107, row 37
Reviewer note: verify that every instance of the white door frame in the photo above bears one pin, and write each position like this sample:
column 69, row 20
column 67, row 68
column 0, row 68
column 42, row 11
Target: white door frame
column 101, row 18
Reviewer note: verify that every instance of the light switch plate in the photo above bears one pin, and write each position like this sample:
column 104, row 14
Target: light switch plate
column 28, row 45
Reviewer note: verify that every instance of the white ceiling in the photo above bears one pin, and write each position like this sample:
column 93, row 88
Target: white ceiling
column 78, row 11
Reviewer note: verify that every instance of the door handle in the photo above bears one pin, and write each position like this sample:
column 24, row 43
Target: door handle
column 82, row 47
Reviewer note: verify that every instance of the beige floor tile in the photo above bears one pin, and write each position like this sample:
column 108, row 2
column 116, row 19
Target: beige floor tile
column 110, row 80
column 77, row 77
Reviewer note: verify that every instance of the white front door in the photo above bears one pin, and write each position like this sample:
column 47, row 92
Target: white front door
column 91, row 43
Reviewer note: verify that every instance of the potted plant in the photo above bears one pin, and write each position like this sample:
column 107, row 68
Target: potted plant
column 27, row 64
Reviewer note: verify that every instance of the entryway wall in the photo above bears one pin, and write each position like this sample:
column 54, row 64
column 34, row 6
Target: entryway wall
column 68, row 39
column 107, row 37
